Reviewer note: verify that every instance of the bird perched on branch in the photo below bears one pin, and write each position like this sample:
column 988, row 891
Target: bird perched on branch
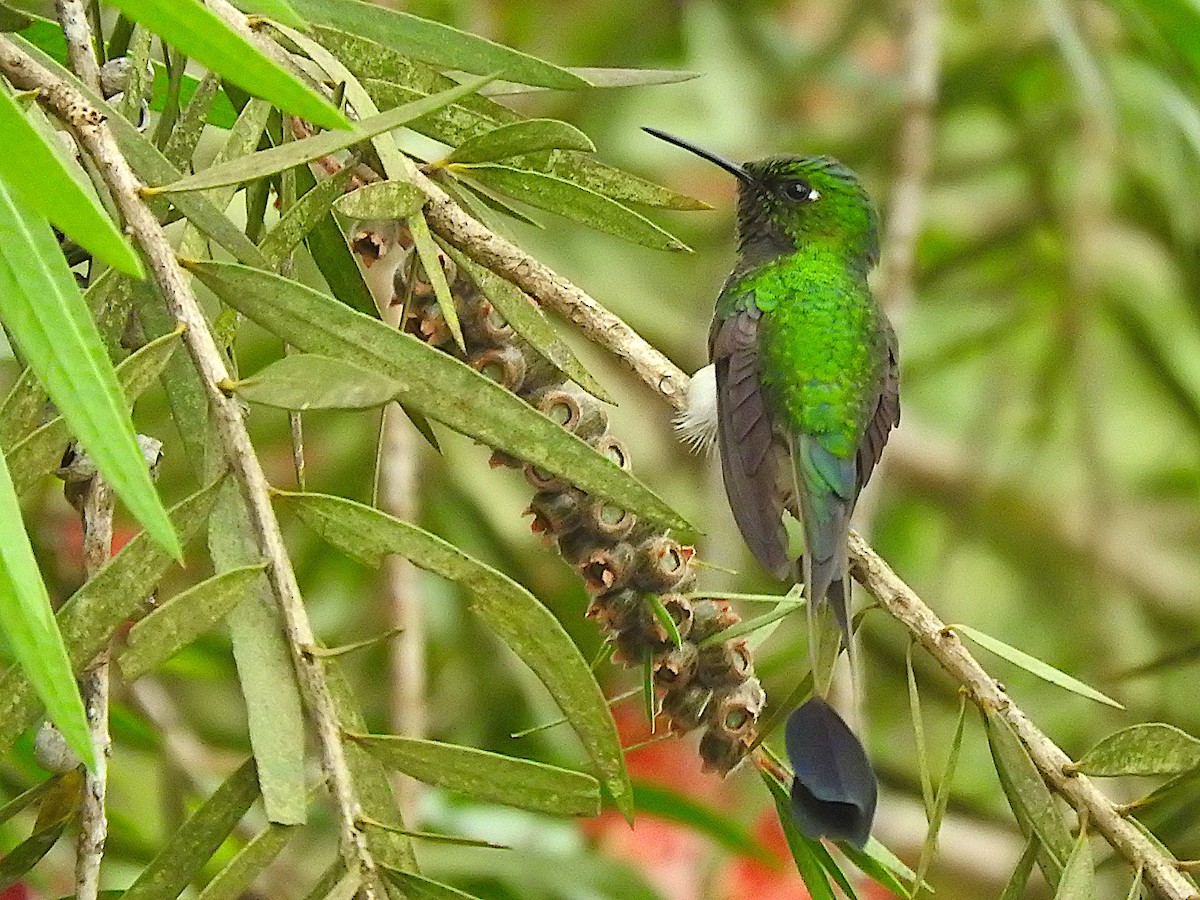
column 806, row 389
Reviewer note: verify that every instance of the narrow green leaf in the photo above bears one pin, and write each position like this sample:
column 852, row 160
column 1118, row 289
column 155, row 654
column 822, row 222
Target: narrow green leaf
column 89, row 619
column 602, row 78
column 664, row 618
column 878, row 862
column 514, row 614
column 21, row 801
column 328, row 248
column 749, row 626
column 433, row 383
column 938, row 812
column 303, row 216
column 297, row 153
column 204, row 37
column 383, row 200
column 1019, row 879
column 233, row 881
column 274, row 710
column 527, row 320
column 41, row 452
column 279, row 10
column 1149, row 749
column 193, row 845
column 1078, row 878
column 664, row 802
column 489, row 777
column 27, row 854
column 570, row 200
column 434, row 43
column 30, row 630
column 200, row 99
column 431, row 262
column 417, row 887
column 801, row 847
column 44, row 312
column 914, row 705
column 528, row 136
column 1035, row 666
column 302, row 381
column 1135, row 889
column 34, row 172
column 1030, row 799
column 182, row 619
column 154, row 168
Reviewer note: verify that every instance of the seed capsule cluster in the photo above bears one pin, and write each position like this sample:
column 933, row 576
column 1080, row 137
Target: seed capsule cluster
column 702, row 681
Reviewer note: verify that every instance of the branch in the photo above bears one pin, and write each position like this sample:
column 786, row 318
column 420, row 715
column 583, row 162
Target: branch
column 87, row 124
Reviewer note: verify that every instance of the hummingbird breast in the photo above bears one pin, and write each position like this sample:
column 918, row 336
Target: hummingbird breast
column 821, row 342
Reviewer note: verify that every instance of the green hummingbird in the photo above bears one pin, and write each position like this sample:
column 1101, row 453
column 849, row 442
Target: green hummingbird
column 802, row 395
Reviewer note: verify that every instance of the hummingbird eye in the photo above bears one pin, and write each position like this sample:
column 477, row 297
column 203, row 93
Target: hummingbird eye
column 799, row 191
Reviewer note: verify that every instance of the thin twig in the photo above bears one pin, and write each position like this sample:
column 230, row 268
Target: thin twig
column 97, row 515
column 93, row 136
column 73, row 19
column 95, row 505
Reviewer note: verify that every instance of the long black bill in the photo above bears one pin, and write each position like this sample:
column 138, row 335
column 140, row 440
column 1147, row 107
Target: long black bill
column 721, row 161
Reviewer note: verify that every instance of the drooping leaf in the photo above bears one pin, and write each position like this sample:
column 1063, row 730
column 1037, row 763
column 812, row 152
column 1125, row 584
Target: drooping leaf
column 807, row 865
column 21, row 801
column 938, row 812
column 41, row 451
column 489, row 777
column 187, row 851
column 433, row 383
column 606, row 78
column 914, row 705
column 329, row 251
column 274, row 710
column 527, row 320
column 44, row 312
column 570, row 200
column 203, row 36
column 34, row 172
column 297, row 153
column 417, row 887
column 1149, row 749
column 176, row 623
column 303, row 216
column 153, row 168
column 878, row 862
column 527, row 136
column 1035, row 666
column 27, row 854
column 30, row 630
column 233, row 881
column 92, row 615
column 516, row 616
column 431, row 263
column 1032, row 803
column 435, row 43
column 383, row 200
column 302, row 381
column 1019, row 879
column 1078, row 878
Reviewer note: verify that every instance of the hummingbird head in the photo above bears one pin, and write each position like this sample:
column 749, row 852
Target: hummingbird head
column 787, row 201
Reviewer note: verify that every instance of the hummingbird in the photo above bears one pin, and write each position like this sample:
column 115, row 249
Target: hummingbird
column 801, row 396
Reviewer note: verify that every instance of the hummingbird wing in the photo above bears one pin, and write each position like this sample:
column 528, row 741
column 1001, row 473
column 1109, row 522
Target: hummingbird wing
column 745, row 437
column 886, row 416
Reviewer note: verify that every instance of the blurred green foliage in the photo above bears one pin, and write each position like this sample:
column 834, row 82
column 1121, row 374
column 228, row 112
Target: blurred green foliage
column 1042, row 487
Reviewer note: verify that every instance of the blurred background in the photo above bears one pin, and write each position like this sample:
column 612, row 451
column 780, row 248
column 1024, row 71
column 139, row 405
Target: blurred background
column 1042, row 486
